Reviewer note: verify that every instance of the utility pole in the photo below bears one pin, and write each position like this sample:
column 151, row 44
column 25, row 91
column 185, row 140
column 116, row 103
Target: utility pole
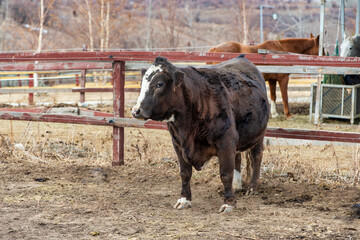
column 357, row 16
column 321, row 45
column 261, row 21
column 342, row 19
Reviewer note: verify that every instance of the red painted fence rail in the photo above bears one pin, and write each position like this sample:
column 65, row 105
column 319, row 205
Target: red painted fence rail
column 107, row 119
column 258, row 59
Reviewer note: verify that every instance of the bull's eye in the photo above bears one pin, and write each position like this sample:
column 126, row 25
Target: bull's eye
column 350, row 48
column 159, row 84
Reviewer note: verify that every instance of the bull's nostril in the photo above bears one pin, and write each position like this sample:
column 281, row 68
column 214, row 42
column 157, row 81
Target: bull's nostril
column 136, row 113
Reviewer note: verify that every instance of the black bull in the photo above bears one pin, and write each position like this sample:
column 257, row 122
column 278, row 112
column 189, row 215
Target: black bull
column 217, row 111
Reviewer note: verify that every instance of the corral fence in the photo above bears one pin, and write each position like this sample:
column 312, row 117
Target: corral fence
column 23, row 82
column 120, row 61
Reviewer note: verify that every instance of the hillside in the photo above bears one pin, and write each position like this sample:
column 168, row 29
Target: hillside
column 173, row 25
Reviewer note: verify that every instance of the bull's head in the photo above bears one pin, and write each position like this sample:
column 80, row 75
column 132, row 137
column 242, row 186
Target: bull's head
column 158, row 95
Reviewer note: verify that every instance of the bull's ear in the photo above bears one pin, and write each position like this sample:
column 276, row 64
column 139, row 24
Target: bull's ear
column 178, row 77
column 160, row 60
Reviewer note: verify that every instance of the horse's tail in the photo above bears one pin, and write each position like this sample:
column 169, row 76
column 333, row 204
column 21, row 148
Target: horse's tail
column 213, row 49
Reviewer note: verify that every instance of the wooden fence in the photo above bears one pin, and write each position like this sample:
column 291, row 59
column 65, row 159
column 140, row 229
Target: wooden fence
column 116, row 61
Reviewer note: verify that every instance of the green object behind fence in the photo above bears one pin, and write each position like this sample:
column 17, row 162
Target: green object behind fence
column 331, row 78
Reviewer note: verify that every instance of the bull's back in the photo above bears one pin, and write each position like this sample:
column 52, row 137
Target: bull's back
column 244, row 70
column 249, row 100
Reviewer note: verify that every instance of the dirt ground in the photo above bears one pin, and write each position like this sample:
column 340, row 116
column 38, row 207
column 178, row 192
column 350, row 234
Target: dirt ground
column 57, row 182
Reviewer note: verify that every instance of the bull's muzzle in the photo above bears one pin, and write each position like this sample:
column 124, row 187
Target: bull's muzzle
column 136, row 113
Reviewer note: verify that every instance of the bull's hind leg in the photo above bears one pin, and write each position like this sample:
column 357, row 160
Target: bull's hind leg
column 237, row 184
column 256, row 154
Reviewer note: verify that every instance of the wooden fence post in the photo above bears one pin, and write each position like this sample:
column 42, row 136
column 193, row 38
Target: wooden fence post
column 19, row 81
column 31, row 84
column 77, row 80
column 82, row 85
column 118, row 72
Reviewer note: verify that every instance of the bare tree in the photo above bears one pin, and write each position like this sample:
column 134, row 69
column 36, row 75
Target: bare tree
column 236, row 20
column 4, row 23
column 171, row 23
column 104, row 33
column 90, row 25
column 296, row 25
column 107, row 25
column 42, row 16
column 102, row 25
column 239, row 26
column 41, row 29
column 149, row 27
column 245, row 26
column 191, row 11
column 87, row 10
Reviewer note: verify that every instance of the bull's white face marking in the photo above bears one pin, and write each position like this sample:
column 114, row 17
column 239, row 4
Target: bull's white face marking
column 171, row 119
column 237, row 180
column 274, row 114
column 182, row 203
column 346, row 47
column 152, row 71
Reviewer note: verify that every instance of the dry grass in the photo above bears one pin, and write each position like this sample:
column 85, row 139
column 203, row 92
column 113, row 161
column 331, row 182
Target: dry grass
column 55, row 143
column 52, row 143
column 312, row 164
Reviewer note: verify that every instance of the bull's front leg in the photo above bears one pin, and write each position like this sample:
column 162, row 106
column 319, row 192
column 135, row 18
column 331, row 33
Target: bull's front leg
column 226, row 154
column 185, row 173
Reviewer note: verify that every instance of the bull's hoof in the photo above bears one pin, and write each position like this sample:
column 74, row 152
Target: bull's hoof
column 289, row 117
column 226, row 208
column 249, row 192
column 182, row 203
column 274, row 115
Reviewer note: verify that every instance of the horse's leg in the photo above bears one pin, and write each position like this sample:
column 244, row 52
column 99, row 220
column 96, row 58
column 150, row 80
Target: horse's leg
column 283, row 83
column 272, row 86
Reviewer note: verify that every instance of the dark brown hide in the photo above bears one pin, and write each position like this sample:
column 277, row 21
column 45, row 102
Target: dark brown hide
column 309, row 46
column 217, row 112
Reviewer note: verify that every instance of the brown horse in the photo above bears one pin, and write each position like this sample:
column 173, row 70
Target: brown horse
column 309, row 46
